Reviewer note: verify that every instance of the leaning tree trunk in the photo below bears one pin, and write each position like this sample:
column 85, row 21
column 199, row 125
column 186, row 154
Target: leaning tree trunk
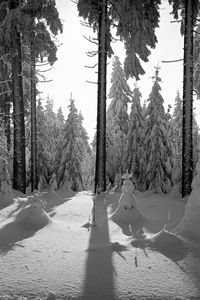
column 33, row 120
column 100, row 172
column 187, row 151
column 19, row 165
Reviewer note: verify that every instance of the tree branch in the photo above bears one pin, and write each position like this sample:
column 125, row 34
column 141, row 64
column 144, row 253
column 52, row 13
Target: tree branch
column 91, row 67
column 89, row 40
column 171, row 61
column 91, row 82
column 91, row 53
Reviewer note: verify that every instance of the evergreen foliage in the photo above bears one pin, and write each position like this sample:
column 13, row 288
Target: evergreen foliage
column 135, row 22
column 176, row 133
column 157, row 148
column 75, row 148
column 117, row 121
column 135, row 138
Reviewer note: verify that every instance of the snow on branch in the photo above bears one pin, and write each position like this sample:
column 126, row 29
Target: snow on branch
column 91, row 67
column 171, row 61
column 91, row 53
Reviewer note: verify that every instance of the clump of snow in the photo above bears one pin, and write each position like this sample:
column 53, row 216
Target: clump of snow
column 165, row 240
column 33, row 216
column 127, row 199
column 127, row 215
column 190, row 223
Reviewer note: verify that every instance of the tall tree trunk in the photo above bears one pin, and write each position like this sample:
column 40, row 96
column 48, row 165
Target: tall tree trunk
column 187, row 151
column 33, row 119
column 19, row 164
column 100, row 172
column 7, row 121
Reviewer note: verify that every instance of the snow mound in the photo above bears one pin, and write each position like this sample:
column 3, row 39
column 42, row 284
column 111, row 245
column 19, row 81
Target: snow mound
column 33, row 216
column 127, row 216
column 191, row 221
column 190, row 224
column 166, row 241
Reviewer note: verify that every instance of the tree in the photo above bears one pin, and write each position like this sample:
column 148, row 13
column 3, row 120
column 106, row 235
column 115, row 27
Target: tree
column 188, row 22
column 136, row 22
column 176, row 135
column 117, row 121
column 157, row 148
column 187, row 153
column 135, row 138
column 19, row 166
column 38, row 10
column 70, row 164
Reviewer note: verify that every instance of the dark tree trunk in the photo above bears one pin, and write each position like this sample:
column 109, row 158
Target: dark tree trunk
column 7, row 121
column 187, row 153
column 19, row 165
column 33, row 120
column 100, row 172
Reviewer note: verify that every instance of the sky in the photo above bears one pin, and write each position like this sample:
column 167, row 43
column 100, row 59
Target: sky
column 69, row 74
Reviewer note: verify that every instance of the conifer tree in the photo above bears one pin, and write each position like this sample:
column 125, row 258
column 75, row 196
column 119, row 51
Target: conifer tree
column 117, row 121
column 70, row 163
column 135, row 22
column 190, row 10
column 176, row 125
column 42, row 157
column 135, row 138
column 157, row 147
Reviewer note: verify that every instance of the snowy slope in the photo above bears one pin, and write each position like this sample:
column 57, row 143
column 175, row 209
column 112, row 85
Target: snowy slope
column 75, row 260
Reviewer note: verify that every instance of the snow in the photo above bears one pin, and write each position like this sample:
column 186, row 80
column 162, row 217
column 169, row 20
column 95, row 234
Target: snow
column 191, row 221
column 50, row 250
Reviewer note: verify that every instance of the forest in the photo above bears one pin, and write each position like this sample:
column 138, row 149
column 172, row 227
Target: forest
column 118, row 217
column 160, row 148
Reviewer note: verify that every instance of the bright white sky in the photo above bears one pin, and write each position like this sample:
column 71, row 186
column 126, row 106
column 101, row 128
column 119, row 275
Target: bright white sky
column 69, row 73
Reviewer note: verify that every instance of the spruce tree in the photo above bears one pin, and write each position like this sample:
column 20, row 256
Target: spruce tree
column 117, row 121
column 176, row 125
column 157, row 147
column 176, row 130
column 135, row 138
column 71, row 158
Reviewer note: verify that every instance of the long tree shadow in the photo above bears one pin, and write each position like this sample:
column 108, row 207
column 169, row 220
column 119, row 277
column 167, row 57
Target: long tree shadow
column 98, row 281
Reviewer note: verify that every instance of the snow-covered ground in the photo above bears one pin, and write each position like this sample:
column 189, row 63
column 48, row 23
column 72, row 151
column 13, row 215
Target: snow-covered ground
column 55, row 253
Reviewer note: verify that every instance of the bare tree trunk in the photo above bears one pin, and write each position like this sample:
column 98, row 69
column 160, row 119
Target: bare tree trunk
column 7, row 121
column 187, row 153
column 33, row 120
column 100, row 172
column 19, row 164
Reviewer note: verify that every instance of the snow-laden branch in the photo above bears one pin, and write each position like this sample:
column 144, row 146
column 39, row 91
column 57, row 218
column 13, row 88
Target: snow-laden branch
column 171, row 61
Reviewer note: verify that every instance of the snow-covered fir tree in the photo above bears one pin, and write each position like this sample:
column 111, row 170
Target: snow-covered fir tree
column 135, row 138
column 74, row 147
column 176, row 129
column 117, row 121
column 157, row 148
column 86, row 155
column 176, row 126
column 49, row 139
